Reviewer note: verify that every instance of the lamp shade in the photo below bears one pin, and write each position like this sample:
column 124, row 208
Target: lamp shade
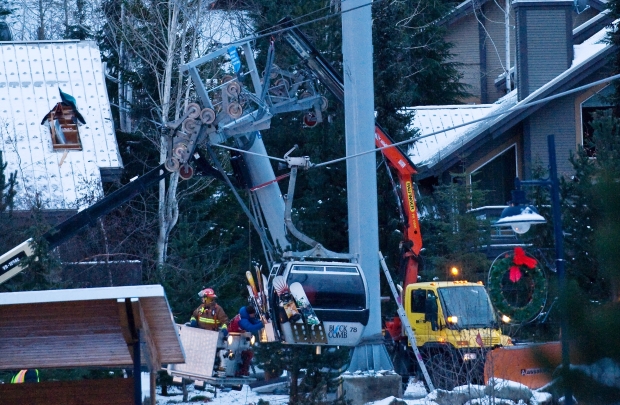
column 520, row 218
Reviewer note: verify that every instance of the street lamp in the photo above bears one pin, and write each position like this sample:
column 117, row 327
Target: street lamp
column 520, row 217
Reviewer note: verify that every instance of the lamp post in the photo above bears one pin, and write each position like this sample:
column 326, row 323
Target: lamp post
column 520, row 217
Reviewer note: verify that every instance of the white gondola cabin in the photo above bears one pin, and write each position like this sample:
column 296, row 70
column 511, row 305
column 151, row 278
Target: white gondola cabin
column 338, row 295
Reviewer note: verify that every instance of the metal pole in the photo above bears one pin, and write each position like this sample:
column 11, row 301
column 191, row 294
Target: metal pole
column 363, row 215
column 559, row 263
column 137, row 377
column 507, row 22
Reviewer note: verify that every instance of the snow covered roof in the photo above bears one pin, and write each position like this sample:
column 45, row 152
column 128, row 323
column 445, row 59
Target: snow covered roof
column 428, row 153
column 431, row 119
column 31, row 74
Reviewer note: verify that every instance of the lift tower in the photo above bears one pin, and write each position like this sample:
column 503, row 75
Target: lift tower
column 371, row 354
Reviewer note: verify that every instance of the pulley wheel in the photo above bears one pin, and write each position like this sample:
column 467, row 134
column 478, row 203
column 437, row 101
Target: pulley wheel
column 305, row 94
column 179, row 151
column 193, row 110
column 233, row 89
column 282, row 85
column 207, row 116
column 275, row 70
column 235, row 110
column 324, row 103
column 172, row 164
column 190, row 125
column 310, row 120
column 186, row 172
column 227, row 78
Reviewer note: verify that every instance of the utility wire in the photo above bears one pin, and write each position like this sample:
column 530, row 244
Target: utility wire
column 275, row 32
column 248, row 152
column 515, row 108
column 294, row 19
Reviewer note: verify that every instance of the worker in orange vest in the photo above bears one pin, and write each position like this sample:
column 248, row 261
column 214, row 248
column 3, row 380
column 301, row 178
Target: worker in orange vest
column 209, row 315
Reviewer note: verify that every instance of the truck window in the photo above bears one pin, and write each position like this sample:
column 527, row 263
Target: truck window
column 470, row 304
column 418, row 301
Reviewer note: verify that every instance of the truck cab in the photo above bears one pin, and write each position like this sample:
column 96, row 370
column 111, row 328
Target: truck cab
column 453, row 312
column 454, row 323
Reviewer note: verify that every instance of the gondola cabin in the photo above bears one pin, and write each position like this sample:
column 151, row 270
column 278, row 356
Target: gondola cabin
column 319, row 303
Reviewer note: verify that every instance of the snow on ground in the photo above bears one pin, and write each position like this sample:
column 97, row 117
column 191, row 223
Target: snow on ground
column 415, row 394
column 222, row 396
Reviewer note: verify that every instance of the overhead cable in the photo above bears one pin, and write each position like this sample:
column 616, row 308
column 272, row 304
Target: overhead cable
column 278, row 31
column 412, row 140
column 515, row 108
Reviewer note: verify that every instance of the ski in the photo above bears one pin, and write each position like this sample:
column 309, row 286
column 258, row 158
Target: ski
column 261, row 289
column 248, row 275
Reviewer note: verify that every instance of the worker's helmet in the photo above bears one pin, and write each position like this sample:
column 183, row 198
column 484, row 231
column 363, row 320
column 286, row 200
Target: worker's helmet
column 207, row 292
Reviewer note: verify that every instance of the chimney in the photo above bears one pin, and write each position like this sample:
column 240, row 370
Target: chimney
column 5, row 30
column 544, row 42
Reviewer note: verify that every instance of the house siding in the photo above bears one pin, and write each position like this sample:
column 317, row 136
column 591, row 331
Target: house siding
column 464, row 36
column 544, row 40
column 557, row 118
column 544, row 61
column 496, row 48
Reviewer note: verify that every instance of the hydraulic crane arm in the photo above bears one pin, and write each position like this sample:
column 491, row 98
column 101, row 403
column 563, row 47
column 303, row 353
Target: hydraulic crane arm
column 11, row 263
column 321, row 68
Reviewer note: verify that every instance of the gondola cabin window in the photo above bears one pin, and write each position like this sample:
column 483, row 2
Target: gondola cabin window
column 64, row 129
column 331, row 286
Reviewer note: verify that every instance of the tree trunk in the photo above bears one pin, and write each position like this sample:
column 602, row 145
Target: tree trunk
column 168, row 204
column 294, row 387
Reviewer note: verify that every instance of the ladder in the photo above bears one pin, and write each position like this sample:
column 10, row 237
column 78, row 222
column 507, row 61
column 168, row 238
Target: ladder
column 406, row 324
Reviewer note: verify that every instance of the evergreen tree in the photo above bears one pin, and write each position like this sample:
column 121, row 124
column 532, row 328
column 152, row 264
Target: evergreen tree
column 7, row 188
column 454, row 236
column 613, row 6
column 320, row 369
column 8, row 183
column 412, row 64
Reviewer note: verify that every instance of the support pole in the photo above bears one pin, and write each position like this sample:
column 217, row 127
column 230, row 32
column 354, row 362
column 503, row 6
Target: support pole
column 137, row 377
column 371, row 354
column 559, row 265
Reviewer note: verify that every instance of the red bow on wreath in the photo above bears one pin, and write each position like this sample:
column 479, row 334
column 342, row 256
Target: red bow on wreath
column 520, row 259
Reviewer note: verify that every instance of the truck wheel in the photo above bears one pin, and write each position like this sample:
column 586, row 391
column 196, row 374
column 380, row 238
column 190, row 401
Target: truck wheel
column 443, row 368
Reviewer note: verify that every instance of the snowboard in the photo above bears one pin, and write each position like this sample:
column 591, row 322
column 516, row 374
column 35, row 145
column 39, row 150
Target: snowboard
column 307, row 313
column 286, row 299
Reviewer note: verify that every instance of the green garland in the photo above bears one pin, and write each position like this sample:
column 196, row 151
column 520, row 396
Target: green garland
column 532, row 282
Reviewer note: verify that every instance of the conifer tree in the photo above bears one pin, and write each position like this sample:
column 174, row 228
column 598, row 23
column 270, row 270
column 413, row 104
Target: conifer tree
column 453, row 236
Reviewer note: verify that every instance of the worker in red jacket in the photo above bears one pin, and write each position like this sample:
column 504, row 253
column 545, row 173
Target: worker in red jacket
column 246, row 320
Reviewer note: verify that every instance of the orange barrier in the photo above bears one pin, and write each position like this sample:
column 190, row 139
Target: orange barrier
column 532, row 365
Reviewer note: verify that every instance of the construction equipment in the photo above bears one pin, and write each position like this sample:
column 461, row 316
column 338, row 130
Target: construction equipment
column 11, row 262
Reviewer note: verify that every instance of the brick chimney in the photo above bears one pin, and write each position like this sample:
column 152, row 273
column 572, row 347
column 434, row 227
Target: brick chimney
column 544, row 41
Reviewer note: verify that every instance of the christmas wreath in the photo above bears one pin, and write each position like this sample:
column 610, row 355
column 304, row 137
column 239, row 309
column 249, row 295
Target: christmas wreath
column 517, row 286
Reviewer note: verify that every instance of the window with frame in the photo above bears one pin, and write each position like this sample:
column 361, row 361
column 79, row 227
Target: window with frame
column 590, row 108
column 63, row 124
column 497, row 177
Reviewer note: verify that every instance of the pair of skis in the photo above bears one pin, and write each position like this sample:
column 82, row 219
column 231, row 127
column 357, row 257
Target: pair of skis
column 258, row 293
